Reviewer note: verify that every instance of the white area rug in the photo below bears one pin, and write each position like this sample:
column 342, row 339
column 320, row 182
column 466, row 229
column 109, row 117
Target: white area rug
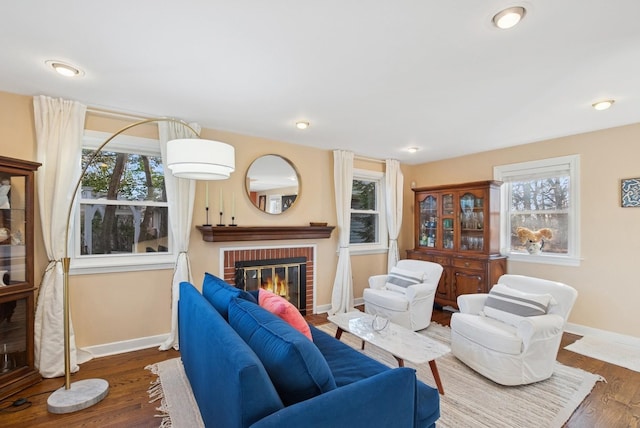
column 621, row 354
column 470, row 400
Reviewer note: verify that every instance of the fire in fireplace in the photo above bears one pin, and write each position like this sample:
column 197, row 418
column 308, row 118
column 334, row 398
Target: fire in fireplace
column 285, row 277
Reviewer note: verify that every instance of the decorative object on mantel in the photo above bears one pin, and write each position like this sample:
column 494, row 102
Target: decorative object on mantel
column 317, row 224
column 272, row 184
column 263, row 233
column 631, row 192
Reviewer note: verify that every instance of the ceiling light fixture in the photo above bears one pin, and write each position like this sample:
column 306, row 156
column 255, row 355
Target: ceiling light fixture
column 302, row 125
column 63, row 69
column 603, row 105
column 413, row 149
column 509, row 17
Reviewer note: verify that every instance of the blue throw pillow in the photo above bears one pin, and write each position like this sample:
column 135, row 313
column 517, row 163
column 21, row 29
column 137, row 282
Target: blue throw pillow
column 219, row 293
column 295, row 365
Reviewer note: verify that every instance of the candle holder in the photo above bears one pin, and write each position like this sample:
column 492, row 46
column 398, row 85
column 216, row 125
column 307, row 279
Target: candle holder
column 220, row 223
column 233, row 221
column 207, row 217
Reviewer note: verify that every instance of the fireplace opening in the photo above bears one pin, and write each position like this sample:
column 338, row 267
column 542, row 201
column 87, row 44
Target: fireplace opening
column 285, row 277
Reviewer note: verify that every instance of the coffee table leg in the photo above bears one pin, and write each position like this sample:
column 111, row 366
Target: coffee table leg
column 400, row 361
column 436, row 376
column 339, row 333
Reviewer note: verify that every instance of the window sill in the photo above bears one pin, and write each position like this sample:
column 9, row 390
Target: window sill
column 354, row 251
column 544, row 259
column 110, row 264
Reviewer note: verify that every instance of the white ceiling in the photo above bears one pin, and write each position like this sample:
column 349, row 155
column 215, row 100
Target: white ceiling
column 374, row 77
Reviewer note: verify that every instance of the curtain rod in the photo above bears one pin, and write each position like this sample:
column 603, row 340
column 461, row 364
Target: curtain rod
column 364, row 158
column 115, row 114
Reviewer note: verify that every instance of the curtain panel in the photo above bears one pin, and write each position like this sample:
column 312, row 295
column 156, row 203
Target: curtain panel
column 394, row 180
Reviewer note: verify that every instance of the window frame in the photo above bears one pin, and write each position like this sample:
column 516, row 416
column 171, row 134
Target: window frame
column 541, row 168
column 383, row 234
column 101, row 263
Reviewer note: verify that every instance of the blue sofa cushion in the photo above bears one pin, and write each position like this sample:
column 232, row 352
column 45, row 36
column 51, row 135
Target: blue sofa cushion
column 219, row 293
column 295, row 365
column 228, row 380
column 349, row 366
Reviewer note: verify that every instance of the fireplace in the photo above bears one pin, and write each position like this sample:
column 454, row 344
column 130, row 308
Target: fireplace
column 285, row 277
column 234, row 258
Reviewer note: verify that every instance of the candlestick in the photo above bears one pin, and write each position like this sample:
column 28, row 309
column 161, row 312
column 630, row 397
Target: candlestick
column 206, row 209
column 233, row 221
column 220, row 223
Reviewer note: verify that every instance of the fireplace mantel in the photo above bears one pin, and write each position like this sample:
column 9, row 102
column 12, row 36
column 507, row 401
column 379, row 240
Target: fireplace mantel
column 263, row 233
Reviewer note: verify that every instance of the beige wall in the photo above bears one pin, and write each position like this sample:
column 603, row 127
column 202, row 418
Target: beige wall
column 121, row 306
column 607, row 279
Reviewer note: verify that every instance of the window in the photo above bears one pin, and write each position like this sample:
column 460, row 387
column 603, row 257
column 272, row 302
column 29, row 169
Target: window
column 368, row 223
column 122, row 214
column 541, row 194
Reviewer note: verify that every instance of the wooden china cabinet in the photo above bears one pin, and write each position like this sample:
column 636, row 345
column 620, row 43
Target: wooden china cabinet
column 458, row 227
column 17, row 369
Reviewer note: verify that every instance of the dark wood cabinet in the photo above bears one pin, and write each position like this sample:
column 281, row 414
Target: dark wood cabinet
column 458, row 226
column 17, row 288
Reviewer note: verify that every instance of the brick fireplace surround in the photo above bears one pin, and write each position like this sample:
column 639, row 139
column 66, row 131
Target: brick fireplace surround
column 229, row 256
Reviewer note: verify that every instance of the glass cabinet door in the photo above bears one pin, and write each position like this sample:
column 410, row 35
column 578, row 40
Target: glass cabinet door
column 448, row 223
column 472, row 221
column 428, row 221
column 13, row 257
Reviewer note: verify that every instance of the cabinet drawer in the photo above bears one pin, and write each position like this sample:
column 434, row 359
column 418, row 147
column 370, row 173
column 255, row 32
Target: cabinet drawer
column 468, row 264
column 444, row 261
column 421, row 256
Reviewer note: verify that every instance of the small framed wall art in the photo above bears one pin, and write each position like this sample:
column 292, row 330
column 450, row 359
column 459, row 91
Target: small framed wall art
column 630, row 188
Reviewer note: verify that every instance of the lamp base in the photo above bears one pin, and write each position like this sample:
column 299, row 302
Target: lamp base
column 81, row 394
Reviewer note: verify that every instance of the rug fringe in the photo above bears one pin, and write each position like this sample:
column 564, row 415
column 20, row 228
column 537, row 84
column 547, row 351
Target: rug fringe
column 156, row 393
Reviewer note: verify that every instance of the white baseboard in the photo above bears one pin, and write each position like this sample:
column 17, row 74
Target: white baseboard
column 321, row 309
column 126, row 345
column 582, row 330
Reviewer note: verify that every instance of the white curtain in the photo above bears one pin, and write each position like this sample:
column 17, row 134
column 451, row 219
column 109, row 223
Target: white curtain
column 342, row 295
column 59, row 126
column 394, row 181
column 180, row 196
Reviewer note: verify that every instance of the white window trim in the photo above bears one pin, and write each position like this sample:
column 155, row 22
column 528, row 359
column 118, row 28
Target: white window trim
column 100, row 263
column 383, row 233
column 506, row 172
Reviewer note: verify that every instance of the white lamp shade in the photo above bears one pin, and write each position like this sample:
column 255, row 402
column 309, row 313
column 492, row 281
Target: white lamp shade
column 199, row 159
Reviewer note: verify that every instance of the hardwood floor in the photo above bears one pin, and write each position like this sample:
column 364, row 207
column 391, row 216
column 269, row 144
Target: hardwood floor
column 614, row 404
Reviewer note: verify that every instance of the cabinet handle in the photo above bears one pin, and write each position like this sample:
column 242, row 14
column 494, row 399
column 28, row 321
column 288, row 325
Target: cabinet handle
column 466, row 264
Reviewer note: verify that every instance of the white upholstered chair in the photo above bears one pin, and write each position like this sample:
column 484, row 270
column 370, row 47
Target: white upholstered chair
column 506, row 348
column 408, row 302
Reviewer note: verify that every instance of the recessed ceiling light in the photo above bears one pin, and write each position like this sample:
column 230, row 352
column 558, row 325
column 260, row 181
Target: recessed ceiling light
column 302, row 125
column 509, row 17
column 413, row 149
column 63, row 69
column 603, row 105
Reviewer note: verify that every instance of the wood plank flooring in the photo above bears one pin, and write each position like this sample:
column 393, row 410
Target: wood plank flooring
column 614, row 404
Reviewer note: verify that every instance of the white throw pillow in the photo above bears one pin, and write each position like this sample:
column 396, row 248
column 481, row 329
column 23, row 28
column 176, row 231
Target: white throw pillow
column 399, row 279
column 511, row 306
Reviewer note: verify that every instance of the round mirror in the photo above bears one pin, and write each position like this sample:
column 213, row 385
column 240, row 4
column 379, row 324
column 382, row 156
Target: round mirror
column 272, row 184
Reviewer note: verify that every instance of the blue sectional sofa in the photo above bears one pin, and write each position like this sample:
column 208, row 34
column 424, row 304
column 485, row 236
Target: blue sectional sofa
column 249, row 368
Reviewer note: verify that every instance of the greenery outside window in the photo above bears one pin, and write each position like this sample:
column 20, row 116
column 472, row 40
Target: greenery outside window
column 368, row 222
column 122, row 214
column 541, row 194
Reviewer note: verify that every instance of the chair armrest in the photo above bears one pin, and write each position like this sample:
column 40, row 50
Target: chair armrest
column 377, row 281
column 471, row 303
column 542, row 327
column 359, row 404
column 420, row 291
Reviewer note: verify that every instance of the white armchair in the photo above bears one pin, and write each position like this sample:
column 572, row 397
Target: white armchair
column 409, row 306
column 518, row 350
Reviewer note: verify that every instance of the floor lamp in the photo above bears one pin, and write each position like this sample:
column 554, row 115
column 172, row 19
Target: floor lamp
column 191, row 158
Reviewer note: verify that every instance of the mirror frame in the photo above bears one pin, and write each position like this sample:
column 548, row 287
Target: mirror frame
column 248, row 188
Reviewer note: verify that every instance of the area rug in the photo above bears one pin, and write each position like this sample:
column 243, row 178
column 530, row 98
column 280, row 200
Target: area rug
column 621, row 354
column 470, row 400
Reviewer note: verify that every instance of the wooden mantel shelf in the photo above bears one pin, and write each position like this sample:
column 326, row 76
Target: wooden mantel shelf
column 263, row 233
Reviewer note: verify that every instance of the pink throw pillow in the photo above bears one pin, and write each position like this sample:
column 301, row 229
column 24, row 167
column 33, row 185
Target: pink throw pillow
column 281, row 307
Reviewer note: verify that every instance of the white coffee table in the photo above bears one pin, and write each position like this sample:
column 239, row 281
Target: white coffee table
column 399, row 341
